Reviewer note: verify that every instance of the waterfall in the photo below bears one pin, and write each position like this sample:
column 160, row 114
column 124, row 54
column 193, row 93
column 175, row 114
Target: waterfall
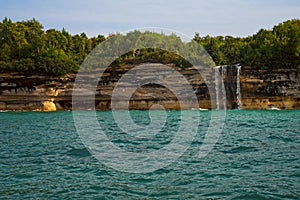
column 217, row 74
column 238, row 88
column 224, row 72
column 221, row 73
column 220, row 87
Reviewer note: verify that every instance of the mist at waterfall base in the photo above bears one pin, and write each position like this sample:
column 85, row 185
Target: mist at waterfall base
column 256, row 157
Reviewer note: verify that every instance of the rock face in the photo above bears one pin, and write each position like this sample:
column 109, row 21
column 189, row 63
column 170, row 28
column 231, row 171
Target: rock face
column 34, row 93
column 259, row 89
column 262, row 89
column 48, row 106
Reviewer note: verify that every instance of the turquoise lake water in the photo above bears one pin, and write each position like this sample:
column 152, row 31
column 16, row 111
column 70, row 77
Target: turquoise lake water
column 256, row 157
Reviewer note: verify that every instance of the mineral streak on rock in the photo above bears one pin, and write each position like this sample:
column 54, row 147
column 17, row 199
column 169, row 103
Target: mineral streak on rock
column 260, row 89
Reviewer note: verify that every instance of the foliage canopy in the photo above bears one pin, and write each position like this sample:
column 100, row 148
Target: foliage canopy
column 27, row 48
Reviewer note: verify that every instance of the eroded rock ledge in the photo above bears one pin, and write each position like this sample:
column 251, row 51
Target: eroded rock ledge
column 260, row 89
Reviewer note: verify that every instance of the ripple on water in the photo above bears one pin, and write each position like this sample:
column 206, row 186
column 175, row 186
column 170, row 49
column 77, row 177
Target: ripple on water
column 256, row 157
column 82, row 152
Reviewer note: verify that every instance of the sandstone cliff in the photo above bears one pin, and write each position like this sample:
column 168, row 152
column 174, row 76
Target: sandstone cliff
column 260, row 89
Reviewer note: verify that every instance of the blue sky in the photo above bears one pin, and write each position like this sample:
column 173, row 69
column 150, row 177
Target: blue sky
column 213, row 17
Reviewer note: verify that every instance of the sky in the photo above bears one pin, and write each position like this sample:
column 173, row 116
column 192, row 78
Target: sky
column 239, row 18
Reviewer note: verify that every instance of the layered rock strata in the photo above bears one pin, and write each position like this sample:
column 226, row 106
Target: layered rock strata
column 260, row 89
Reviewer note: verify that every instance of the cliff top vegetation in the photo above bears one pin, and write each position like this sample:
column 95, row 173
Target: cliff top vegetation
column 25, row 47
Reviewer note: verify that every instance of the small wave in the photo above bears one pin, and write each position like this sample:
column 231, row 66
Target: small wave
column 241, row 149
column 284, row 139
column 143, row 180
column 78, row 152
column 251, row 196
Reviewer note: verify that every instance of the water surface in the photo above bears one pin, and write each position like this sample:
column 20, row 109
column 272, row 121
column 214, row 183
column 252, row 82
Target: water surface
column 256, row 157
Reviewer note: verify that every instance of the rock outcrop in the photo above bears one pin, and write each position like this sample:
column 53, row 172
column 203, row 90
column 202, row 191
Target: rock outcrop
column 260, row 89
column 48, row 106
column 34, row 93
